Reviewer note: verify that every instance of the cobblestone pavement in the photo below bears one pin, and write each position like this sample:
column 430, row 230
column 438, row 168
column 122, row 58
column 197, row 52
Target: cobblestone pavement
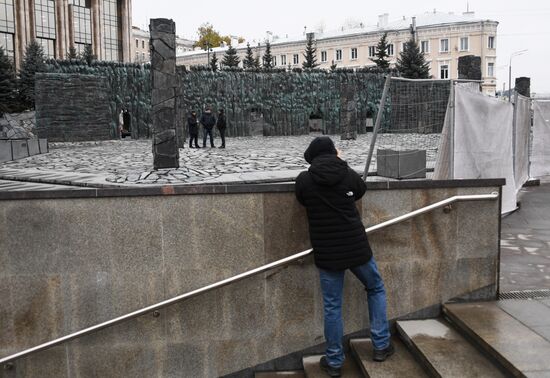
column 244, row 159
column 525, row 243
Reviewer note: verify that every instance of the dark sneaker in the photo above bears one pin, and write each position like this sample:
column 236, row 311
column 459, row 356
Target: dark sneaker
column 330, row 370
column 380, row 355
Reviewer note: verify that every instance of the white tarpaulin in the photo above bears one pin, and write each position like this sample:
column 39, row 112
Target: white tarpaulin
column 540, row 159
column 522, row 128
column 483, row 141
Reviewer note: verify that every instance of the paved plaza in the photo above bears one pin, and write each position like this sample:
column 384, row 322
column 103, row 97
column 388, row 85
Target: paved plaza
column 525, row 244
column 250, row 159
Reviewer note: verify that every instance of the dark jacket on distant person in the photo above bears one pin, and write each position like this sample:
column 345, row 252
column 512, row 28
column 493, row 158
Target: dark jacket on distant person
column 208, row 120
column 193, row 124
column 222, row 123
column 329, row 190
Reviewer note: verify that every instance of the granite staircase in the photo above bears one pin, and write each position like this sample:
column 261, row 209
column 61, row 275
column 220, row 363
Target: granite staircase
column 479, row 339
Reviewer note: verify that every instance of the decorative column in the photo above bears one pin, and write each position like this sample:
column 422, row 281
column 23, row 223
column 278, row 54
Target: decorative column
column 348, row 108
column 163, row 97
column 126, row 30
column 97, row 30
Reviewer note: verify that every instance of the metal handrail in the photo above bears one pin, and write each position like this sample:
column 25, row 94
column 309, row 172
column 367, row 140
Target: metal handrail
column 239, row 277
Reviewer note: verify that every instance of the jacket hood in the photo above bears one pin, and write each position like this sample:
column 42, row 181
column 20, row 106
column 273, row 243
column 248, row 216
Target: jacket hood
column 328, row 170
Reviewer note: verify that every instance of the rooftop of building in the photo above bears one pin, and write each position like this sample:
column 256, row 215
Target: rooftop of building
column 138, row 32
column 427, row 19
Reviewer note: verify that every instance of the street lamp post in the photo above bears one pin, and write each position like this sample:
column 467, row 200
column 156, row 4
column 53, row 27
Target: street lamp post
column 516, row 53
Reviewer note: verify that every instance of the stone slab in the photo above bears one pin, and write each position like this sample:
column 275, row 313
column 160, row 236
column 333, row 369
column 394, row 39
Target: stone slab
column 5, row 150
column 19, row 149
column 34, row 147
column 517, row 348
column 43, row 144
column 280, row 374
column 443, row 351
column 401, row 364
column 313, row 369
column 529, row 312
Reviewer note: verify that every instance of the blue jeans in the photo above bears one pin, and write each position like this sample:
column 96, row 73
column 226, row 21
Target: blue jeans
column 208, row 132
column 332, row 285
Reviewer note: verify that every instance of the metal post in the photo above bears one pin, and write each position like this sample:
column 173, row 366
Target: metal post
column 510, row 81
column 514, row 131
column 377, row 125
column 452, row 130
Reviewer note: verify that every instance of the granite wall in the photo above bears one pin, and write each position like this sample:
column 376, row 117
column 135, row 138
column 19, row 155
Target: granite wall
column 72, row 107
column 97, row 254
column 128, row 86
column 285, row 100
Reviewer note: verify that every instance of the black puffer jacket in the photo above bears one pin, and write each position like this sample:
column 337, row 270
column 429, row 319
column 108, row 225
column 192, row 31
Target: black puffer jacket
column 329, row 190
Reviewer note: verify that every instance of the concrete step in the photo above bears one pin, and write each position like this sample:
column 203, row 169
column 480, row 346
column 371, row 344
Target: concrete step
column 401, row 364
column 281, row 374
column 519, row 349
column 444, row 352
column 313, row 369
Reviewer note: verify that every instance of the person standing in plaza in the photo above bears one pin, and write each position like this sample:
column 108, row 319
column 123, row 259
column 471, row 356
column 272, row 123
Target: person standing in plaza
column 329, row 190
column 208, row 121
column 221, row 124
column 193, row 128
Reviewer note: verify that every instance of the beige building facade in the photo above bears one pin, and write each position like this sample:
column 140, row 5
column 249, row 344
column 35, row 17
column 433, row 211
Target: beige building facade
column 442, row 37
column 140, row 45
column 60, row 24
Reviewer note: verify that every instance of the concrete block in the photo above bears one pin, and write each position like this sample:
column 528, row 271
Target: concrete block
column 5, row 150
column 43, row 144
column 401, row 164
column 20, row 149
column 34, row 147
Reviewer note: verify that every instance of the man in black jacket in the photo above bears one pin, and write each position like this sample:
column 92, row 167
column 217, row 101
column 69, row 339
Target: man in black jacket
column 222, row 125
column 329, row 190
column 193, row 126
column 208, row 121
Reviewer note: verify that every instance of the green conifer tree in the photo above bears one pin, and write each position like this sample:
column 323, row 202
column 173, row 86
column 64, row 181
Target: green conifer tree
column 411, row 63
column 88, row 54
column 214, row 62
column 257, row 62
column 382, row 61
column 231, row 59
column 248, row 61
column 310, row 57
column 33, row 62
column 267, row 58
column 7, row 84
column 72, row 54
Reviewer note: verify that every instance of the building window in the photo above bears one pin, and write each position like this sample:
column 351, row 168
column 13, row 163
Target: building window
column 7, row 27
column 425, row 47
column 143, row 57
column 296, row 58
column 491, row 42
column 283, row 60
column 390, row 49
column 44, row 12
column 82, row 25
column 354, row 53
column 323, row 56
column 372, row 51
column 444, row 71
column 464, row 44
column 274, row 61
column 338, row 55
column 143, row 44
column 111, row 31
column 444, row 45
column 137, row 43
column 491, row 69
column 48, row 45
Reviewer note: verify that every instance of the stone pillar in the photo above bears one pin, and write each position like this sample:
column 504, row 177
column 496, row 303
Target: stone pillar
column 97, row 30
column 61, row 24
column 348, row 108
column 126, row 30
column 163, row 97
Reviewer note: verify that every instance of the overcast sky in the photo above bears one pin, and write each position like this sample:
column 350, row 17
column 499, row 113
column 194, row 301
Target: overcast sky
column 523, row 24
